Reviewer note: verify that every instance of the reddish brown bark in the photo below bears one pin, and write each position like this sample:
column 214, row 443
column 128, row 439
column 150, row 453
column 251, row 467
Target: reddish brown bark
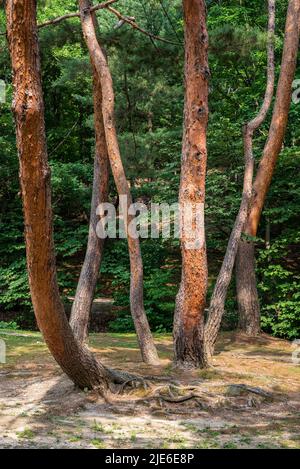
column 248, row 302
column 145, row 339
column 216, row 309
column 190, row 302
column 79, row 364
column 81, row 308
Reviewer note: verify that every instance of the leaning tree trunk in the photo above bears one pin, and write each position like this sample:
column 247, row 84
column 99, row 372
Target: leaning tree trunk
column 77, row 362
column 82, row 305
column 145, row 339
column 216, row 309
column 249, row 310
column 188, row 328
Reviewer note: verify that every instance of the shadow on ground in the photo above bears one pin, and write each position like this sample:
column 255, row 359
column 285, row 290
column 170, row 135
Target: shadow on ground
column 249, row 398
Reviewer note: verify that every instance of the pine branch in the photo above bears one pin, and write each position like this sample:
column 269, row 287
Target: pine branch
column 58, row 20
column 120, row 16
column 134, row 25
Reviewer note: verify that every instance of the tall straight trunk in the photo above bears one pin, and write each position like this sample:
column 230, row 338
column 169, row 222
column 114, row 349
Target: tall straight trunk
column 82, row 305
column 145, row 339
column 77, row 362
column 249, row 310
column 216, row 309
column 188, row 328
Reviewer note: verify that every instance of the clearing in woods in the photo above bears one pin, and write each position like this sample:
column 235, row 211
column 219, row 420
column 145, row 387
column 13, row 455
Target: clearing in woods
column 249, row 399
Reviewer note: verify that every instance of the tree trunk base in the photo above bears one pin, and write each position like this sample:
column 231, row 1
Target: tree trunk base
column 190, row 352
column 247, row 296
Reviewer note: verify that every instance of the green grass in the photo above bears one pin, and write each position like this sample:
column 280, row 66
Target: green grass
column 207, row 444
column 246, row 440
column 99, row 444
column 210, row 432
column 22, row 347
column 98, row 427
column 26, row 434
column 75, row 438
column 121, row 340
column 177, row 438
column 230, row 445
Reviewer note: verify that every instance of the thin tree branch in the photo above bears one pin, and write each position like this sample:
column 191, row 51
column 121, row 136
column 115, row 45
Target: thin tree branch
column 150, row 38
column 102, row 6
column 67, row 135
column 168, row 18
column 58, row 20
column 134, row 25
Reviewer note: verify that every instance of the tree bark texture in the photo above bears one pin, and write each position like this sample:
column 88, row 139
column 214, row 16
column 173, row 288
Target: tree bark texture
column 188, row 328
column 77, row 362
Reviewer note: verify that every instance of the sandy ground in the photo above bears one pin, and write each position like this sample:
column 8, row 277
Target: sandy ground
column 250, row 398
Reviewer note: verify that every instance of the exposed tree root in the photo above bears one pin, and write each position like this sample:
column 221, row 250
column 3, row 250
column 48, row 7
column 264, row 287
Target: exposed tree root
column 252, row 390
column 176, row 395
column 122, row 383
column 120, row 377
column 119, row 380
column 177, row 400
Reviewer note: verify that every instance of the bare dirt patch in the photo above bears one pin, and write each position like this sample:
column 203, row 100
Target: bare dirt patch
column 250, row 398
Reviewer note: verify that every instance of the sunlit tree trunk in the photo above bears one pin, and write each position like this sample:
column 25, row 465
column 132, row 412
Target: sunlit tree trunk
column 145, row 339
column 77, row 362
column 190, row 302
column 249, row 309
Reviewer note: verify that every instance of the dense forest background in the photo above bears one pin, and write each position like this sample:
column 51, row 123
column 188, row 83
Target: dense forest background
column 149, row 106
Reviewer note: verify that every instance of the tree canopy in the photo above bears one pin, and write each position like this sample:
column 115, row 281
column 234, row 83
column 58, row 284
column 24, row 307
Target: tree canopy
column 149, row 95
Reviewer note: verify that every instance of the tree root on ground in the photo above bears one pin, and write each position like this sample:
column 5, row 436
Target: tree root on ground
column 148, row 389
column 178, row 400
column 173, row 394
column 249, row 389
column 170, row 392
column 119, row 380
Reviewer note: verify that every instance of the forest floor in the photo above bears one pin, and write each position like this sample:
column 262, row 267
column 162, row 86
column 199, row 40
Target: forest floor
column 250, row 398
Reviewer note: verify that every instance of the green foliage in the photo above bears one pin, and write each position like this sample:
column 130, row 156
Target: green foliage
column 14, row 288
column 232, row 39
column 279, row 289
column 9, row 325
column 278, row 263
column 148, row 84
column 160, row 284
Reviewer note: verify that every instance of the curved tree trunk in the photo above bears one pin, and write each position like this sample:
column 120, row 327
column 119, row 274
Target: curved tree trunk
column 216, row 309
column 145, row 339
column 188, row 328
column 81, row 308
column 247, row 296
column 77, row 362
